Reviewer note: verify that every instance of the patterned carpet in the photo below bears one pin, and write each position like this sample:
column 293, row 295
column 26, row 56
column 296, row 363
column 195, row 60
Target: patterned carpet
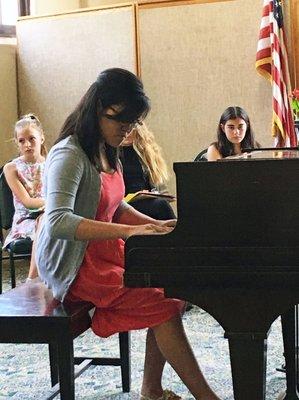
column 24, row 369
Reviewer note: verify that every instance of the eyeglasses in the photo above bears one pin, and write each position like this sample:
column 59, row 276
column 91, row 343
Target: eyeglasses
column 129, row 125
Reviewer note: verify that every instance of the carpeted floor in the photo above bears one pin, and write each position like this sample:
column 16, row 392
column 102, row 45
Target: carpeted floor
column 24, row 369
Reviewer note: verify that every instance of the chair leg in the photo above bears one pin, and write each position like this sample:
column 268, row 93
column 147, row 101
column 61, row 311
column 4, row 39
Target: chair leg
column 66, row 367
column 53, row 357
column 125, row 356
column 1, row 272
column 12, row 270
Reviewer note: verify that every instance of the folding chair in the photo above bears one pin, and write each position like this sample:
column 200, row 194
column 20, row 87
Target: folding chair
column 19, row 248
column 1, row 239
column 202, row 156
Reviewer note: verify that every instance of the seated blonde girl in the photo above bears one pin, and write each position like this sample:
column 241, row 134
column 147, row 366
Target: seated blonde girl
column 144, row 168
column 24, row 177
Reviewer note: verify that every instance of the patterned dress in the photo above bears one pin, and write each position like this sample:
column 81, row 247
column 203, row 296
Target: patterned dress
column 30, row 175
column 100, row 278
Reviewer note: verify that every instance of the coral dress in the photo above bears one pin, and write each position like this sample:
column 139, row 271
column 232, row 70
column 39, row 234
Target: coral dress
column 100, row 278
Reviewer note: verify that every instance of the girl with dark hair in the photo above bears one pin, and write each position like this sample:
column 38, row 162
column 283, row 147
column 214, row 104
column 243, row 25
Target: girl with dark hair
column 80, row 247
column 234, row 134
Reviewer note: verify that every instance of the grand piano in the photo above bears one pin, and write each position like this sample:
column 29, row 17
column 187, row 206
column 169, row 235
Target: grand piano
column 235, row 254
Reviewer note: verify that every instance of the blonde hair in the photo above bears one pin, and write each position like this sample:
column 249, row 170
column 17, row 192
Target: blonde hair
column 31, row 120
column 150, row 153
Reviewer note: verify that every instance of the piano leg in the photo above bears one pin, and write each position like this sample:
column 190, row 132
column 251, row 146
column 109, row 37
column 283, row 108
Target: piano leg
column 246, row 316
column 248, row 352
column 289, row 322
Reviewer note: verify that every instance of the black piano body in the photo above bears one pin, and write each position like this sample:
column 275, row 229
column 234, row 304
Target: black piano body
column 234, row 253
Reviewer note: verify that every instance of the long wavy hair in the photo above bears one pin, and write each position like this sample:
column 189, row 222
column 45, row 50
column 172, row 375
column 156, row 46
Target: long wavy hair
column 114, row 86
column 31, row 120
column 223, row 145
column 150, row 153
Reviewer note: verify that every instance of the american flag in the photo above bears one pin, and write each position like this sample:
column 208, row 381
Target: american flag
column 272, row 63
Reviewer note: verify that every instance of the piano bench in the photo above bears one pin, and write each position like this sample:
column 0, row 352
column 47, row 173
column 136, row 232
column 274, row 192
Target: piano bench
column 30, row 314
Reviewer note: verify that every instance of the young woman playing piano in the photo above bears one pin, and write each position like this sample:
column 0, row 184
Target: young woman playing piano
column 234, row 134
column 80, row 247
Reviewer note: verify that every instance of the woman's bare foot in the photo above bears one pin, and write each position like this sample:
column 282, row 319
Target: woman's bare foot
column 166, row 395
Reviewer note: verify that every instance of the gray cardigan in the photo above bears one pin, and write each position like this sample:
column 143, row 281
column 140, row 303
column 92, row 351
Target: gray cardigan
column 72, row 187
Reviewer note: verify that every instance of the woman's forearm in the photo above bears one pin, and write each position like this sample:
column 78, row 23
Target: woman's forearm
column 92, row 230
column 89, row 229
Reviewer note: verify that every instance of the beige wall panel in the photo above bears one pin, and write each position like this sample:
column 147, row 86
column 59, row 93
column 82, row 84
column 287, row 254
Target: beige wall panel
column 65, row 57
column 196, row 60
column 8, row 103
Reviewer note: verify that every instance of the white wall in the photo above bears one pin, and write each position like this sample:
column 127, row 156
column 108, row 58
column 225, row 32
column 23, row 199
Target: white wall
column 44, row 7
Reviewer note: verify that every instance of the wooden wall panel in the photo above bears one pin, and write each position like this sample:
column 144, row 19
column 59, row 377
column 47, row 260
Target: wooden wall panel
column 294, row 7
column 59, row 57
column 8, row 103
column 195, row 61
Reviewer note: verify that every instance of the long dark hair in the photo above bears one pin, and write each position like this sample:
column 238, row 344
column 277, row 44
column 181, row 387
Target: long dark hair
column 223, row 145
column 114, row 86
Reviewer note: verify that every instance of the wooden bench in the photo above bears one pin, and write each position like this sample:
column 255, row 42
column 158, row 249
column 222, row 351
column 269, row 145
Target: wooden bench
column 30, row 314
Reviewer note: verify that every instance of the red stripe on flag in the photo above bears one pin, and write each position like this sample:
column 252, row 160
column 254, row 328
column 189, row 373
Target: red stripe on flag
column 264, row 53
column 265, row 32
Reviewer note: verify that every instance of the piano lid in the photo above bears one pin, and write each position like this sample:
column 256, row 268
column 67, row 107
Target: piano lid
column 252, row 203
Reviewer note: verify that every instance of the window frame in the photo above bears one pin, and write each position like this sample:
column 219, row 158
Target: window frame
column 10, row 30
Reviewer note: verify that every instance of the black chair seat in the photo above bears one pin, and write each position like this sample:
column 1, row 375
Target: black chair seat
column 20, row 246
